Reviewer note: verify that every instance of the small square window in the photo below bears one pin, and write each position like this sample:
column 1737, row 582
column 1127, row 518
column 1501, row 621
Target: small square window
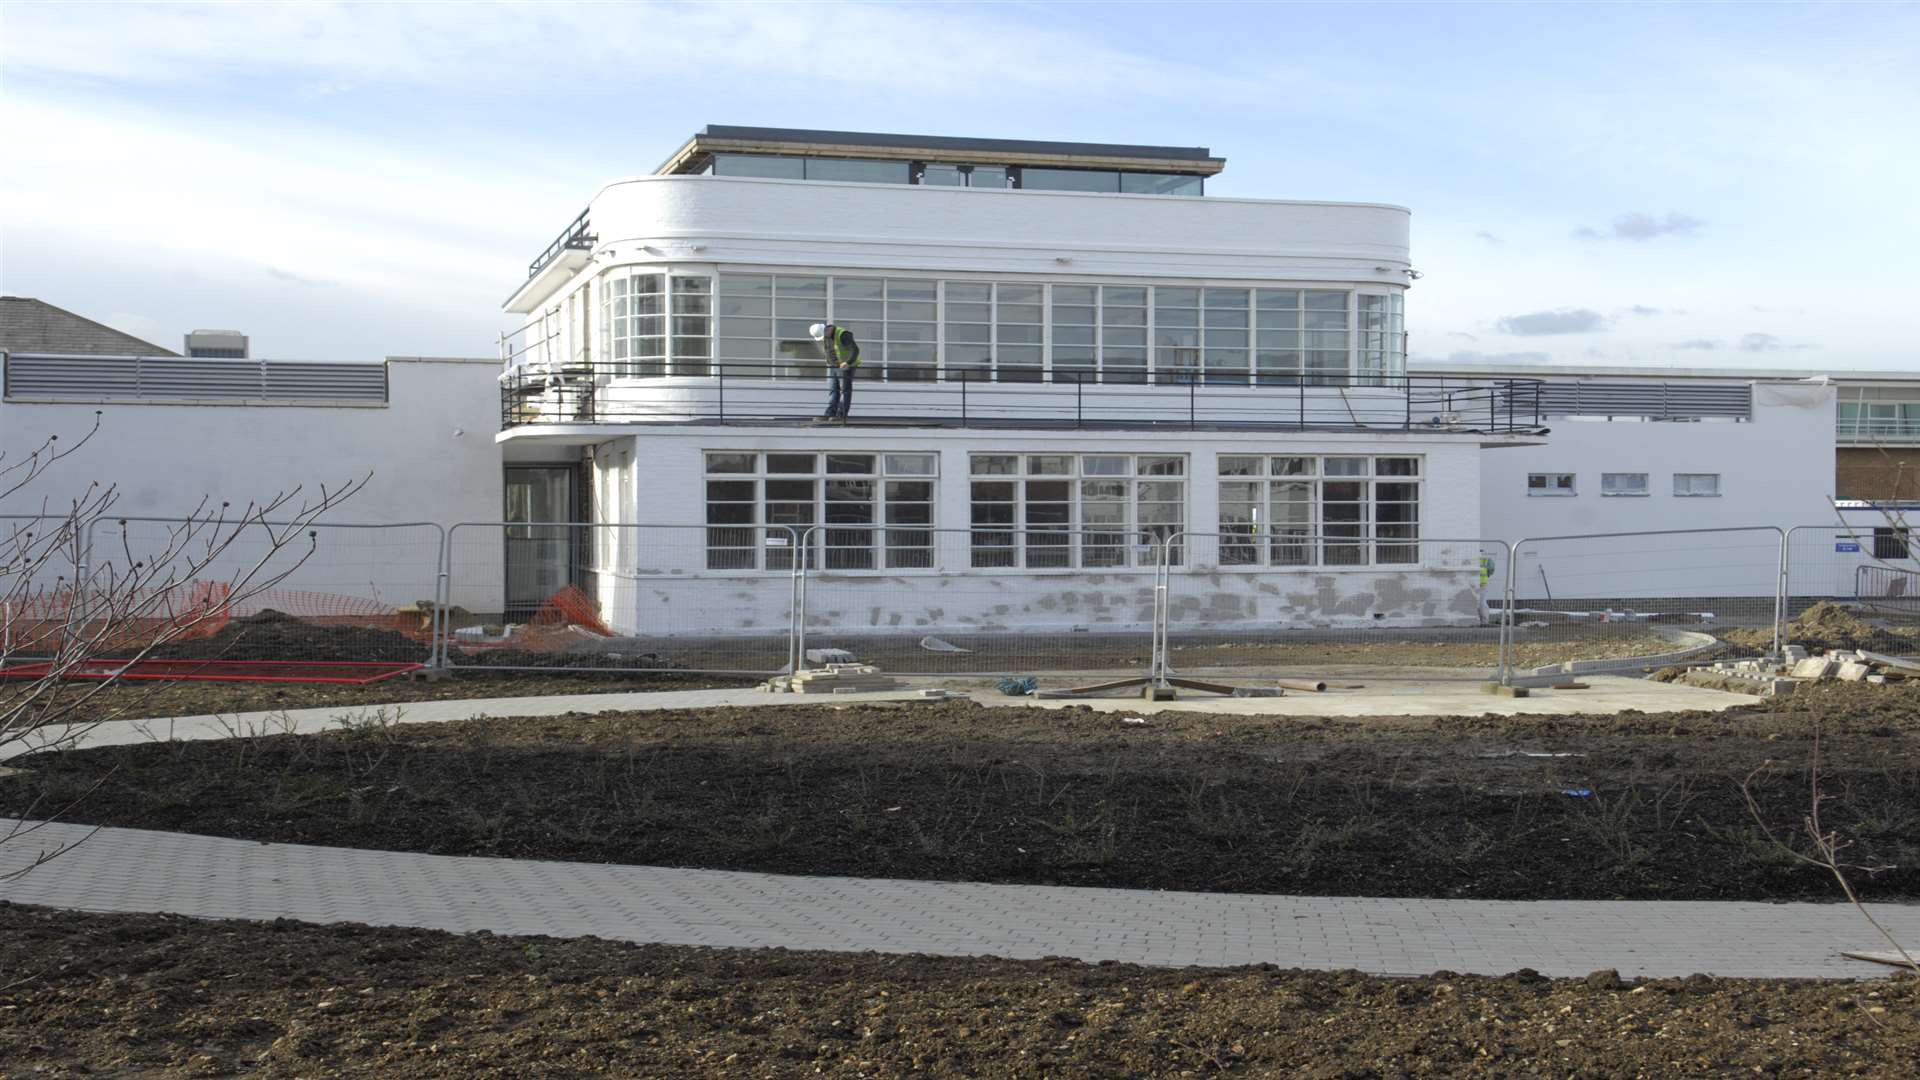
column 1623, row 483
column 1550, row 483
column 1696, row 484
column 1891, row 543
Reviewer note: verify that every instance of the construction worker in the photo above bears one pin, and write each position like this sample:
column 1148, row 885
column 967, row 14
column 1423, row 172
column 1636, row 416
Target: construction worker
column 843, row 359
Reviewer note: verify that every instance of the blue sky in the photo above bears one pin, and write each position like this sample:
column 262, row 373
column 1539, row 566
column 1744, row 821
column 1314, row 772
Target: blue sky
column 1688, row 185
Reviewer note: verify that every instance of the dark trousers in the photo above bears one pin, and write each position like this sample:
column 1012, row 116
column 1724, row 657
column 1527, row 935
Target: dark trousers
column 840, row 390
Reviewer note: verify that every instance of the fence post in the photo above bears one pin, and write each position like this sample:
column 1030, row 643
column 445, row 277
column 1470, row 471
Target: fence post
column 794, row 613
column 442, row 592
column 1780, row 600
column 803, row 559
column 1506, row 615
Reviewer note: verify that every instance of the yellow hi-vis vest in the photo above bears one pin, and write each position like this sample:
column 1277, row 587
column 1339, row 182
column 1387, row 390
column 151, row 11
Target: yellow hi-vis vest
column 843, row 351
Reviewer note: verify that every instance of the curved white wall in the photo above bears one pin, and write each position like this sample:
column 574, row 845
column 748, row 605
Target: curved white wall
column 890, row 226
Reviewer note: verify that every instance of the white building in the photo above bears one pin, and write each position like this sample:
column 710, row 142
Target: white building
column 1651, row 449
column 1070, row 356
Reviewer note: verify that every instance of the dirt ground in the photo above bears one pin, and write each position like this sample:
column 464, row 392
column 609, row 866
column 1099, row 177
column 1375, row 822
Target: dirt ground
column 1827, row 625
column 164, row 996
column 1532, row 807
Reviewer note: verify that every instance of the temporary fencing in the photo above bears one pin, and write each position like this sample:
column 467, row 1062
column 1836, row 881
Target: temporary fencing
column 1268, row 601
column 763, row 599
column 639, row 598
column 1628, row 594
column 252, row 589
column 1866, row 569
column 985, row 601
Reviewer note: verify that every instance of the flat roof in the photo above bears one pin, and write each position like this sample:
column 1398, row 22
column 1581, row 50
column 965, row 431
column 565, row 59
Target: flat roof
column 731, row 137
column 1655, row 373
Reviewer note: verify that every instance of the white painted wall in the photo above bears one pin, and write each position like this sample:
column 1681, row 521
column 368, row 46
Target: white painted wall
column 1776, row 470
column 429, row 453
column 663, row 586
column 780, row 223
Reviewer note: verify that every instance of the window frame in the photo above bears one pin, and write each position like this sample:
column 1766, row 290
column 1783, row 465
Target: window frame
column 1679, row 494
column 1133, row 554
column 891, row 543
column 1644, row 491
column 1259, row 547
column 1545, row 491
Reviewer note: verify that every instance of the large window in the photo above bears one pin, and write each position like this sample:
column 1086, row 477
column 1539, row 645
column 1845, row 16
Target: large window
column 1300, row 510
column 893, row 319
column 920, row 329
column 633, row 327
column 763, row 320
column 1019, row 332
column 1068, row 511
column 872, row 511
column 941, row 174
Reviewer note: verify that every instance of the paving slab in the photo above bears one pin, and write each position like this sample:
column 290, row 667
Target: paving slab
column 1379, row 697
column 133, row 870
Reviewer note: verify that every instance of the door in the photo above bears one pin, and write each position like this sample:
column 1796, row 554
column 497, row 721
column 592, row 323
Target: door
column 539, row 552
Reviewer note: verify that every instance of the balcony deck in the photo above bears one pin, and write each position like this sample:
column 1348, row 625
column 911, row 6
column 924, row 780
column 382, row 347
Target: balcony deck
column 748, row 394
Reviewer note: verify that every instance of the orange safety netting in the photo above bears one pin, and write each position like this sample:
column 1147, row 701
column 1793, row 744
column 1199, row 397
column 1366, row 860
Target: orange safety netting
column 195, row 609
column 561, row 623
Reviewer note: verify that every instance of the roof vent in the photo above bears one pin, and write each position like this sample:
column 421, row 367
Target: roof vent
column 217, row 344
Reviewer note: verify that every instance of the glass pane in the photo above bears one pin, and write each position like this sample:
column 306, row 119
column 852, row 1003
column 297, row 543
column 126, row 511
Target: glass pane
column 988, row 176
column 850, row 463
column 768, row 165
column 1104, row 466
column 1238, row 466
column 995, row 465
column 790, row 463
column 730, row 463
column 972, row 292
column 909, row 464
column 1160, row 184
column 942, row 176
column 853, row 170
column 1069, row 180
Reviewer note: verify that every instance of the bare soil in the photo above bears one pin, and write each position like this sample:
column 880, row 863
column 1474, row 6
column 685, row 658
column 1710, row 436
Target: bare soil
column 1827, row 625
column 1533, row 807
column 164, row 996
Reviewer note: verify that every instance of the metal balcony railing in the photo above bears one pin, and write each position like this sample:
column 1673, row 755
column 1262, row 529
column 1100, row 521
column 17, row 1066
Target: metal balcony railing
column 574, row 237
column 731, row 392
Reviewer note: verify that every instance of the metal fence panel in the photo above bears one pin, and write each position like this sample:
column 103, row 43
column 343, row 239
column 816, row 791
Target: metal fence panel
column 1623, row 593
column 987, row 601
column 638, row 598
column 1868, row 571
column 1278, row 602
column 260, row 590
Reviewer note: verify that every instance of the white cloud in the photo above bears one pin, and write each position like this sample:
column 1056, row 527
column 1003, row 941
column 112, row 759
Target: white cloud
column 497, row 49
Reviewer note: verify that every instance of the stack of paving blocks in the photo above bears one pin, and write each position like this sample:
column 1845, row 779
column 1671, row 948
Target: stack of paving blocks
column 841, row 679
column 1847, row 666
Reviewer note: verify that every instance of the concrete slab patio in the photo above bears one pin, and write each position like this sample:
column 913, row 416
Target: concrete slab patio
column 131, row 870
column 1381, row 696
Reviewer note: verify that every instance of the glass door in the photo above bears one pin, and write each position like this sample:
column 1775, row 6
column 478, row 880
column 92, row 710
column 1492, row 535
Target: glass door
column 539, row 555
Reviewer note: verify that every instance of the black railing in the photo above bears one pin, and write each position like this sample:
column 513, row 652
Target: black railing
column 736, row 392
column 574, row 237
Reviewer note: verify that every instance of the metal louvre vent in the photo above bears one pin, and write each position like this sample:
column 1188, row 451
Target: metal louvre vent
column 171, row 378
column 1654, row 401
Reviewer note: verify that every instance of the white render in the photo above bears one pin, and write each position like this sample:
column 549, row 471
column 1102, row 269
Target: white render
column 646, row 437
column 656, row 578
column 427, row 455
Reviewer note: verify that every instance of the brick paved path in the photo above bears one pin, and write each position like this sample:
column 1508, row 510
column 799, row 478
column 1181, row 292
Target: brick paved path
column 137, row 870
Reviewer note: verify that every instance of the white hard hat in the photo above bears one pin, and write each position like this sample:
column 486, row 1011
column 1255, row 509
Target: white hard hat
column 818, row 330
